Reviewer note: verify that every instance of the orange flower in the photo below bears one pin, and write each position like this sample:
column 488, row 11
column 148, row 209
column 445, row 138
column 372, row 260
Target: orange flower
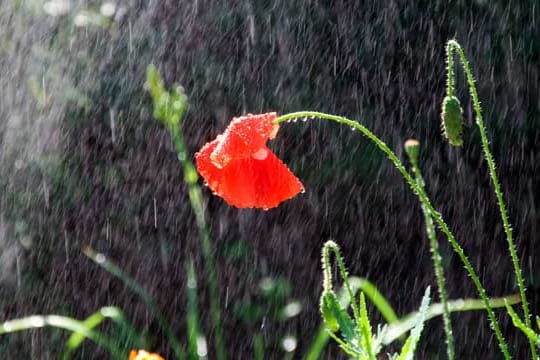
column 239, row 167
column 143, row 355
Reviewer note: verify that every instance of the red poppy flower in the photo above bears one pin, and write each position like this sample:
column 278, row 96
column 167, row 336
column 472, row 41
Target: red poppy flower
column 239, row 167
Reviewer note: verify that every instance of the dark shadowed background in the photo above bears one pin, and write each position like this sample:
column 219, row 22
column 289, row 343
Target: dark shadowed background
column 83, row 162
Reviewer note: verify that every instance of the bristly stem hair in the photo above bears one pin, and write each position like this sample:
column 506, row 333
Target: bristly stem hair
column 425, row 201
column 451, row 47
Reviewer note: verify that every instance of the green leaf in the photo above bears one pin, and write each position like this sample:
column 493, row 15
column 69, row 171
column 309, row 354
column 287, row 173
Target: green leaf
column 92, row 321
column 154, row 83
column 337, row 319
column 365, row 327
column 521, row 326
column 323, row 335
column 169, row 108
column 407, row 351
column 113, row 269
column 328, row 299
column 62, row 322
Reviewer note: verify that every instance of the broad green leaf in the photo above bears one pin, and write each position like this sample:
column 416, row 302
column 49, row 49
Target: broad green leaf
column 322, row 337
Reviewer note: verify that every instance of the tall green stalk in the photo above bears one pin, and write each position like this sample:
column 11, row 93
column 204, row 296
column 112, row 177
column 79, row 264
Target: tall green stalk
column 169, row 110
column 412, row 147
column 195, row 198
column 451, row 47
column 425, row 201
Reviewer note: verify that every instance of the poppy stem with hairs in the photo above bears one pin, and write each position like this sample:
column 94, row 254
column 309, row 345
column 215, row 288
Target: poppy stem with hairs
column 425, row 201
column 452, row 47
column 412, row 148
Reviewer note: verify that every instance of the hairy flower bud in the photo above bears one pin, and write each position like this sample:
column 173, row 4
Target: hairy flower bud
column 452, row 120
column 412, row 148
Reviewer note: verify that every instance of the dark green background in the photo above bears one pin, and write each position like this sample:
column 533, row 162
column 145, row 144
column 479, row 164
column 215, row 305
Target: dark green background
column 381, row 63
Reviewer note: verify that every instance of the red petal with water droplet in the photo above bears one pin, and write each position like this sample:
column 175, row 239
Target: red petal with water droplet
column 244, row 136
column 248, row 182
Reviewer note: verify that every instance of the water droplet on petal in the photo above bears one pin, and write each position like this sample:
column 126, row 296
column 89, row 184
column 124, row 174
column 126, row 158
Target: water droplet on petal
column 261, row 154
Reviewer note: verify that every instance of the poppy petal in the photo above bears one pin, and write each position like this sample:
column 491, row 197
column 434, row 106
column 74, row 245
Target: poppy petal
column 259, row 181
column 244, row 136
column 143, row 355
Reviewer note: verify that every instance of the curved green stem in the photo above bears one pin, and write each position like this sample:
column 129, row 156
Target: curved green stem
column 327, row 271
column 452, row 46
column 425, row 201
column 439, row 273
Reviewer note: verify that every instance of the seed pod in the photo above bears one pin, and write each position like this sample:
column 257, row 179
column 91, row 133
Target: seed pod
column 452, row 120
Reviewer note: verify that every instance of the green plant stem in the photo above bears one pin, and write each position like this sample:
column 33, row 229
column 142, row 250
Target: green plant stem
column 327, row 270
column 115, row 270
column 451, row 46
column 62, row 322
column 439, row 273
column 258, row 346
column 192, row 316
column 425, row 201
column 196, row 200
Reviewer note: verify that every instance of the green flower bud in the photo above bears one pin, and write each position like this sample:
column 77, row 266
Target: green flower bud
column 452, row 120
column 412, row 148
column 327, row 305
